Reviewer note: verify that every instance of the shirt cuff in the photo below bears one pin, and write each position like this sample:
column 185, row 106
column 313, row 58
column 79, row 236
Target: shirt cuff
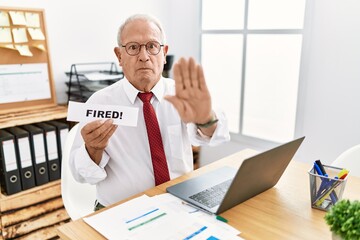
column 220, row 135
column 88, row 169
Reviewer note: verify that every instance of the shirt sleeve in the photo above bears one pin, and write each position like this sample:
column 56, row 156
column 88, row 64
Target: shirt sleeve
column 220, row 135
column 82, row 167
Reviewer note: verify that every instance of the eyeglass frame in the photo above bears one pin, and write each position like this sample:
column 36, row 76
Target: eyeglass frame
column 140, row 45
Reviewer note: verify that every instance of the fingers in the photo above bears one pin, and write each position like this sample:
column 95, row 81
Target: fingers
column 176, row 102
column 194, row 73
column 102, row 140
column 186, row 74
column 92, row 126
column 201, row 78
column 180, row 106
column 97, row 133
column 178, row 78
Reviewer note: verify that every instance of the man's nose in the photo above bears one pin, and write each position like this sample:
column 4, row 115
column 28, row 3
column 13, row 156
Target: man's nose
column 143, row 54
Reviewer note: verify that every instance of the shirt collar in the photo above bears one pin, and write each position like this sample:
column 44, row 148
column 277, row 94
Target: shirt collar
column 132, row 92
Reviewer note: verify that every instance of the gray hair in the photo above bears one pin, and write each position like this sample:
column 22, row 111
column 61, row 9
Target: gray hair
column 144, row 17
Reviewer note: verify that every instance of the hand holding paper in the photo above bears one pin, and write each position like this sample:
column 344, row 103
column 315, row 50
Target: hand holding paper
column 96, row 136
column 102, row 121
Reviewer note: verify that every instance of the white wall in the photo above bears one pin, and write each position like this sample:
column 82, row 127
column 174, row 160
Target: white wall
column 184, row 28
column 330, row 97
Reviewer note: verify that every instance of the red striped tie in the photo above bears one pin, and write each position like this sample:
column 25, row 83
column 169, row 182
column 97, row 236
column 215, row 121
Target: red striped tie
column 158, row 158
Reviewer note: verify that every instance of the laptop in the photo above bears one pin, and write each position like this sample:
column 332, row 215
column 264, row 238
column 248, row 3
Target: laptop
column 221, row 189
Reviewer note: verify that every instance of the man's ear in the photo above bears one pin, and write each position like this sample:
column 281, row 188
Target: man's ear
column 165, row 49
column 118, row 54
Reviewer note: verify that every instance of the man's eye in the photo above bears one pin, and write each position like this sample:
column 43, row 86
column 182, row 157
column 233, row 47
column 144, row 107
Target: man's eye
column 151, row 45
column 133, row 47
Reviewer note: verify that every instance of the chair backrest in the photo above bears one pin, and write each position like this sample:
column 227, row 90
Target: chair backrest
column 350, row 159
column 78, row 198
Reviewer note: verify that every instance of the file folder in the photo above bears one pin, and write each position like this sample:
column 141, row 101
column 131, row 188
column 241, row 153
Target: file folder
column 23, row 156
column 62, row 130
column 10, row 175
column 51, row 150
column 37, row 146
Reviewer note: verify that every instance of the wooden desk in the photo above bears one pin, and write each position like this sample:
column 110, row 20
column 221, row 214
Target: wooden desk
column 282, row 212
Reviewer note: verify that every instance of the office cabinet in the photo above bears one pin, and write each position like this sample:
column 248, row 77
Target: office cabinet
column 37, row 212
column 33, row 213
column 28, row 96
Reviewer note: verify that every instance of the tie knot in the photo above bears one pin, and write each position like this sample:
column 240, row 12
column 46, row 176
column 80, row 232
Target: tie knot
column 145, row 97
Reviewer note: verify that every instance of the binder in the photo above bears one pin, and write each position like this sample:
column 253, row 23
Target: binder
column 62, row 130
column 10, row 175
column 37, row 146
column 23, row 156
column 51, row 151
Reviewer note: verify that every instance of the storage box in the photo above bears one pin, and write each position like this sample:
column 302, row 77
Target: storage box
column 327, row 189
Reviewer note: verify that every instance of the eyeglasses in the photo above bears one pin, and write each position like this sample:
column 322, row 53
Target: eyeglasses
column 133, row 48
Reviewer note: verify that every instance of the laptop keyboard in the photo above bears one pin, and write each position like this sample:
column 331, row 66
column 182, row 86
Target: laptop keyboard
column 212, row 196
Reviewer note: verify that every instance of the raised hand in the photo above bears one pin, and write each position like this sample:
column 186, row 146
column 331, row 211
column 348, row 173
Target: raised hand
column 192, row 98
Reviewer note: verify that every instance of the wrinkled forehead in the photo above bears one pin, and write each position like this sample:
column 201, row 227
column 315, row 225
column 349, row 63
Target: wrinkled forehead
column 140, row 31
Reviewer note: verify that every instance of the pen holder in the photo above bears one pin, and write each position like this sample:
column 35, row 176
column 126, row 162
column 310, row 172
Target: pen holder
column 325, row 191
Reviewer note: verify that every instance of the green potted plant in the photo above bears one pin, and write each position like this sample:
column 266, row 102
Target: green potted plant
column 344, row 219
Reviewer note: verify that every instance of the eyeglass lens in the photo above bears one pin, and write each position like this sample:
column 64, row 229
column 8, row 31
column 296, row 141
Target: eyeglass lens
column 152, row 47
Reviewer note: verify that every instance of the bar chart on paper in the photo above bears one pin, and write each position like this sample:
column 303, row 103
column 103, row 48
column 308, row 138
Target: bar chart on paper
column 145, row 218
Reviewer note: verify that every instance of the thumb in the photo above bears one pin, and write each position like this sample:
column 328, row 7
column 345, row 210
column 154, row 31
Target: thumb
column 177, row 103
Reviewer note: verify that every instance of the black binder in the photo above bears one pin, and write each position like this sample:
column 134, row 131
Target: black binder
column 62, row 130
column 10, row 175
column 51, row 150
column 38, row 154
column 23, row 155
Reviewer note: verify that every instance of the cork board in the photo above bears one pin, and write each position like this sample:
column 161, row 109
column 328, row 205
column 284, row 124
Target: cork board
column 25, row 69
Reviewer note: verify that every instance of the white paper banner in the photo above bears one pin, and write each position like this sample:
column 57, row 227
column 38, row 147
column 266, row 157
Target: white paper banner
column 83, row 112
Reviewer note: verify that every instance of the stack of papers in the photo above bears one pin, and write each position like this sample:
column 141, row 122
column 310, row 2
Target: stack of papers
column 160, row 217
column 97, row 76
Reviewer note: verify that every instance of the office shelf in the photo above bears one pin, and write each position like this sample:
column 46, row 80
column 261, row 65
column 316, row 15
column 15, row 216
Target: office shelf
column 87, row 78
column 34, row 213
column 37, row 212
column 28, row 116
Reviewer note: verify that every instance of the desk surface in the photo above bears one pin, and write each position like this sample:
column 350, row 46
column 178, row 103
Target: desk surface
column 282, row 212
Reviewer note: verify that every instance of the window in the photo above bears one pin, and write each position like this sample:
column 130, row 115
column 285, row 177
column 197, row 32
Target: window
column 251, row 52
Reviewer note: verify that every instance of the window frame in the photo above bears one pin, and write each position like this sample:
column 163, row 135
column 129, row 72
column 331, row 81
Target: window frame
column 255, row 142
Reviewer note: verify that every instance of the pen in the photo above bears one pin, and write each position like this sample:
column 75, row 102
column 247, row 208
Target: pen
column 326, row 194
column 341, row 175
column 325, row 183
column 318, row 162
column 317, row 169
column 218, row 217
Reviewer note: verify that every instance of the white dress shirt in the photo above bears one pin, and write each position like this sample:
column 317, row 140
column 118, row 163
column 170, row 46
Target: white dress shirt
column 126, row 168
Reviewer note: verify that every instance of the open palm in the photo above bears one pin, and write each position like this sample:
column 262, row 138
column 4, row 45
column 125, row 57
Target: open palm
column 192, row 98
